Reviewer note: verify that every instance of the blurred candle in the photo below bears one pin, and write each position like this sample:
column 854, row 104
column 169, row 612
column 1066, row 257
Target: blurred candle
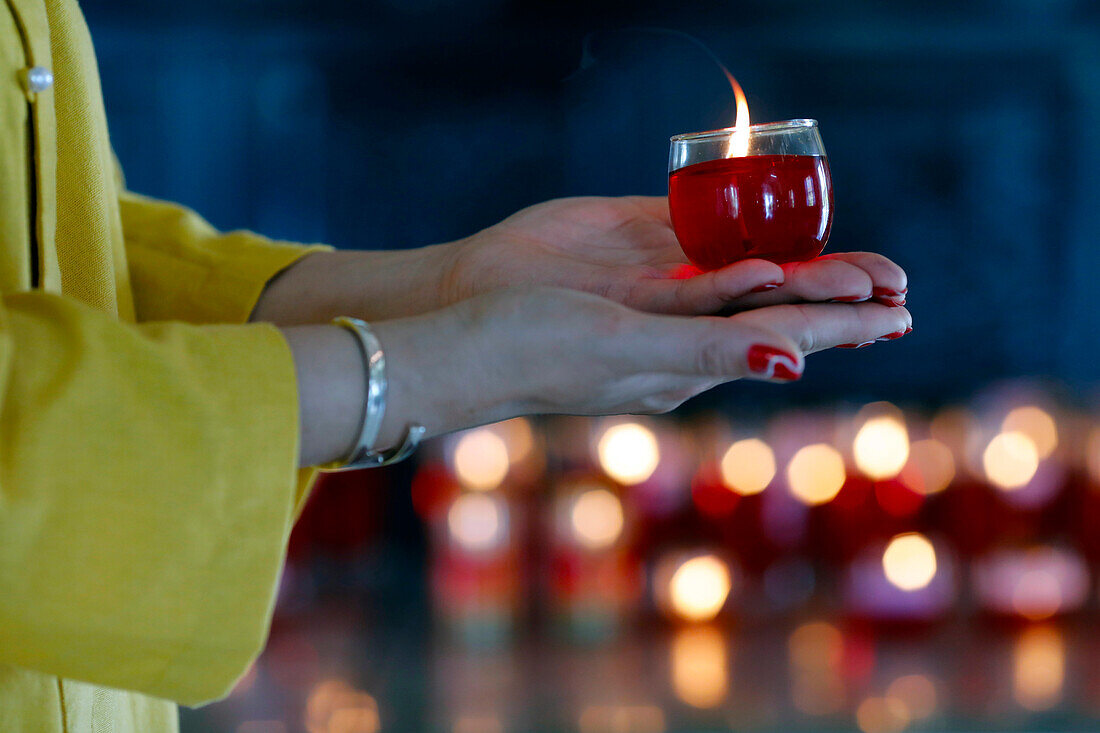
column 481, row 459
column 881, row 447
column 748, row 467
column 692, row 586
column 628, row 453
column 816, row 474
column 1010, row 460
column 1033, row 583
column 593, row 578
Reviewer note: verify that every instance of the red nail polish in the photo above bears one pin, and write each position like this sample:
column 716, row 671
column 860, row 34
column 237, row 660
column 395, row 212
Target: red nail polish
column 894, row 335
column 908, row 329
column 854, row 346
column 765, row 287
column 850, row 299
column 888, row 292
column 890, row 303
column 773, row 363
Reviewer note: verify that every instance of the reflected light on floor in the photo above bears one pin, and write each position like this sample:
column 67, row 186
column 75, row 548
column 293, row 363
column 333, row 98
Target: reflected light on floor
column 917, row 692
column 748, row 466
column 478, row 522
column 881, row 447
column 699, row 588
column 477, row 724
column 628, row 453
column 816, row 652
column 700, row 666
column 597, row 519
column 882, row 715
column 262, row 726
column 909, row 561
column 334, row 706
column 816, row 474
column 1040, row 667
column 930, row 468
column 1036, row 424
column 1010, row 460
column 481, row 459
column 622, row 719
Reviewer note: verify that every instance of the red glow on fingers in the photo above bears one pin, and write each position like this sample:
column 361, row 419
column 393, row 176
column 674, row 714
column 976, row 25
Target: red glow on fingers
column 684, row 272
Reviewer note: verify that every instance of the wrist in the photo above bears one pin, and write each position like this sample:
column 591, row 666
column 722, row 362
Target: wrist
column 372, row 285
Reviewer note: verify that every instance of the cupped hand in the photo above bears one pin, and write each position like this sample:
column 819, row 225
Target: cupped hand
column 624, row 249
column 549, row 350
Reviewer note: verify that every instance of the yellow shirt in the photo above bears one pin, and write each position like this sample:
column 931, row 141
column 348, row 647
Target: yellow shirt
column 148, row 476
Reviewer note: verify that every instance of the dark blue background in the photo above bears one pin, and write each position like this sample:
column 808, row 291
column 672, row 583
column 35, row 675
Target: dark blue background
column 962, row 138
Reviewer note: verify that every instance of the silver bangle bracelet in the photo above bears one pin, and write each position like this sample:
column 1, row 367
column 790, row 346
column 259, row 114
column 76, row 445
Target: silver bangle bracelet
column 362, row 454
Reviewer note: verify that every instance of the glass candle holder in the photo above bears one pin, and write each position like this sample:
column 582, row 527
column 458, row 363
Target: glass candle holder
column 766, row 194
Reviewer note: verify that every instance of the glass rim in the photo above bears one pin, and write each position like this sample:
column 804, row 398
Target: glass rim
column 753, row 129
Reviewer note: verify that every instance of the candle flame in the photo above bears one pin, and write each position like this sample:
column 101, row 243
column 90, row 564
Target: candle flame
column 739, row 139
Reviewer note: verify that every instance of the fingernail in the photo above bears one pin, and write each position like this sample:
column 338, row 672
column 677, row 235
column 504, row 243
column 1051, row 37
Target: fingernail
column 854, row 346
column 851, row 299
column 891, row 302
column 888, row 292
column 908, row 329
column 773, row 363
column 891, row 336
column 764, row 287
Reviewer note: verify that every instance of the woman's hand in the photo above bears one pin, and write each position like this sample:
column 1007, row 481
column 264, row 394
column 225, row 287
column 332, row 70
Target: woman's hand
column 624, row 249
column 515, row 352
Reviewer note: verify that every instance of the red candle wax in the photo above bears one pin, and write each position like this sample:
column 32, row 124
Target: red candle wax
column 773, row 207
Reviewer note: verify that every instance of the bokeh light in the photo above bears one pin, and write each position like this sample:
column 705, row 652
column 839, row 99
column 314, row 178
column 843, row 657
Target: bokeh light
column 699, row 588
column 597, row 518
column 621, row 718
column 1010, row 460
column 1037, row 595
column 478, row 522
column 881, row 447
column 930, row 468
column 909, row 561
column 1039, row 664
column 882, row 715
column 481, row 459
column 700, row 666
column 628, row 452
column 748, row 466
column 815, row 645
column 1092, row 455
column 1036, row 424
column 477, row 724
column 917, row 692
column 334, row 706
column 816, row 473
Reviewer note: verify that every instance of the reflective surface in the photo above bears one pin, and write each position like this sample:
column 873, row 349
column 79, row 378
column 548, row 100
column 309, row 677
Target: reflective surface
column 332, row 670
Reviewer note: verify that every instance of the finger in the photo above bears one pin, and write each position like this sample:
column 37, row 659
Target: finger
column 686, row 290
column 817, row 326
column 715, row 348
column 890, row 281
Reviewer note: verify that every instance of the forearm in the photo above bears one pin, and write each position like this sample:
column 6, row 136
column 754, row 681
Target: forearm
column 365, row 284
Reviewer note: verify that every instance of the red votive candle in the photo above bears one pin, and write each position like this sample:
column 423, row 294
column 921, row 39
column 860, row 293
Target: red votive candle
column 758, row 192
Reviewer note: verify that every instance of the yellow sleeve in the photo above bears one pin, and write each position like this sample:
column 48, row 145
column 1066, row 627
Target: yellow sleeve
column 181, row 268
column 147, row 487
